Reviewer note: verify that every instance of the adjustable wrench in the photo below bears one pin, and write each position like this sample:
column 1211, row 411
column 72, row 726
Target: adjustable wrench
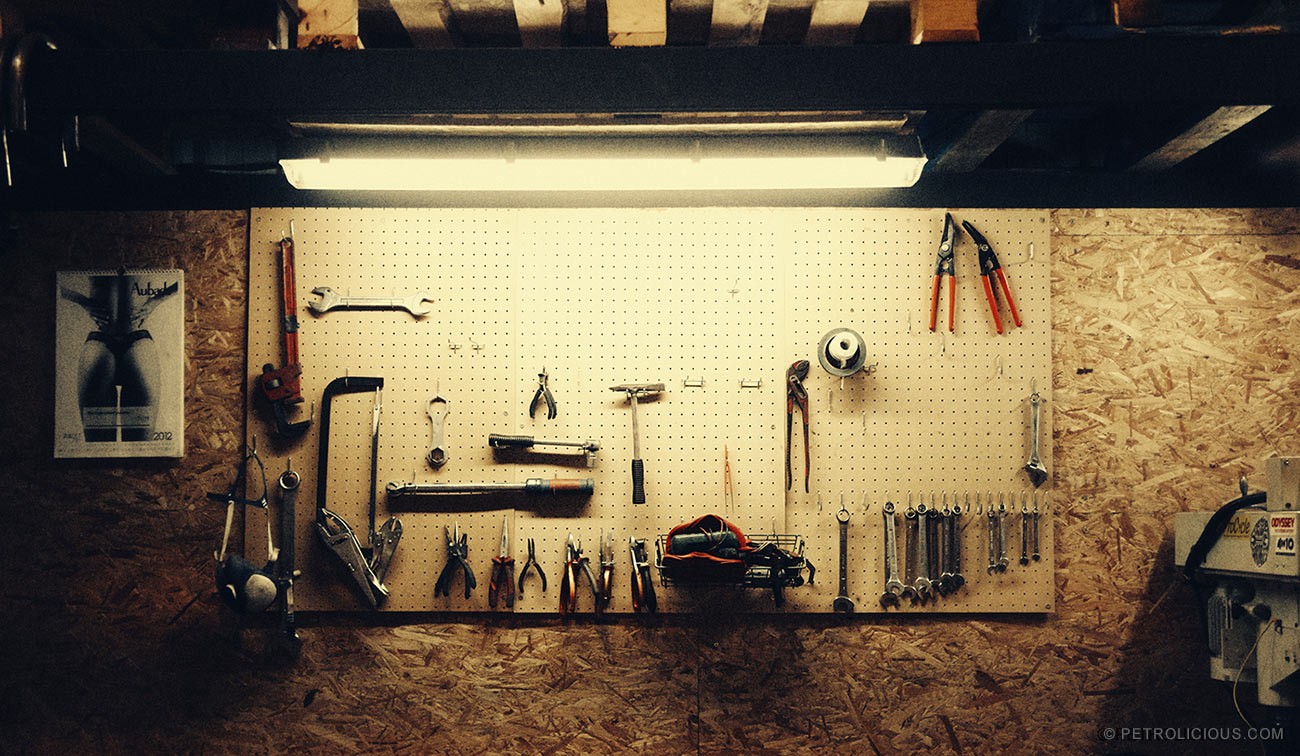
column 437, row 456
column 328, row 300
column 922, row 585
column 842, row 602
column 893, row 586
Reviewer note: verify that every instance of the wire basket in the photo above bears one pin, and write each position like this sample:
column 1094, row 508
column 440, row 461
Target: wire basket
column 756, row 575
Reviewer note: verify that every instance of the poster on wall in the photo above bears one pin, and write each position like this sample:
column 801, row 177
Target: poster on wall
column 119, row 363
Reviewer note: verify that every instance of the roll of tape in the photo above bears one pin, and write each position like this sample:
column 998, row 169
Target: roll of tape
column 842, row 352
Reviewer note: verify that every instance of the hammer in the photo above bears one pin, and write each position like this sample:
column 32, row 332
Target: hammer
column 636, row 391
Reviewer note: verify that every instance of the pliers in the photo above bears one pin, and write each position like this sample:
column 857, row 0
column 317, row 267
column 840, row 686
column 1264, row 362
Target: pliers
column 574, row 560
column 796, row 396
column 606, row 572
column 944, row 267
column 532, row 562
column 989, row 264
column 457, row 558
column 643, row 587
column 543, row 392
column 502, row 583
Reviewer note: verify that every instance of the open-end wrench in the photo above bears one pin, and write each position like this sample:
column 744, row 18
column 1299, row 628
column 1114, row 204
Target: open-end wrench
column 328, row 300
column 1003, row 559
column 910, row 521
column 1024, row 530
column 893, row 586
column 922, row 585
column 842, row 602
column 437, row 456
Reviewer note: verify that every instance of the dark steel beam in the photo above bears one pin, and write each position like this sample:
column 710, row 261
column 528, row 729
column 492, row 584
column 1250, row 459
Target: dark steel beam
column 984, row 135
column 1211, row 71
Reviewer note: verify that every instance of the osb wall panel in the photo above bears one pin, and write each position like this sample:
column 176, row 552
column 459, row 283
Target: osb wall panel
column 1173, row 375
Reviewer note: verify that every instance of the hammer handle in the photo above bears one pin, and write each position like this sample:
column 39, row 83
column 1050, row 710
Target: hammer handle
column 638, row 481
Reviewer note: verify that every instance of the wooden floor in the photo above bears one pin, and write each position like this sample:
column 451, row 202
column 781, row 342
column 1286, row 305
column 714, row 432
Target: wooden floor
column 1173, row 375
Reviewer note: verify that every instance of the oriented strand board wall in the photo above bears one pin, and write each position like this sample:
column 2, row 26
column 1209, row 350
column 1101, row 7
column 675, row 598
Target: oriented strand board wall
column 1174, row 373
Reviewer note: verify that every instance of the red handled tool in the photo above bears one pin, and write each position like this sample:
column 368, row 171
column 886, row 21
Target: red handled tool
column 944, row 267
column 988, row 265
column 501, row 585
column 282, row 386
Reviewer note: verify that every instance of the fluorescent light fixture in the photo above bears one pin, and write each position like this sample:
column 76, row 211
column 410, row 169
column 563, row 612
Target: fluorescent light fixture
column 614, row 165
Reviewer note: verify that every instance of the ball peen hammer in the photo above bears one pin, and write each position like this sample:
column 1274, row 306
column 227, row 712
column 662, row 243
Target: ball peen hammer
column 636, row 391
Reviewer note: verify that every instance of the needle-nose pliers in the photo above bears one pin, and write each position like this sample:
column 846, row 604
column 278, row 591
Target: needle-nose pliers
column 796, row 396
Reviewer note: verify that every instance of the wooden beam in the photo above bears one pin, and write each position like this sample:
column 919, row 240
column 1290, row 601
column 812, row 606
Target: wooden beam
column 328, row 23
column 1217, row 125
column 944, row 21
column 737, row 23
column 1137, row 12
column 989, row 130
column 426, row 22
column 637, row 23
column 541, row 23
column 835, row 22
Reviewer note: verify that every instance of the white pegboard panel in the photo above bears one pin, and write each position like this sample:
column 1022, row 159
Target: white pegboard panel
column 603, row 297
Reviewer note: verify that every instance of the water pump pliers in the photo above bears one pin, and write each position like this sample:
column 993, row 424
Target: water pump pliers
column 796, row 396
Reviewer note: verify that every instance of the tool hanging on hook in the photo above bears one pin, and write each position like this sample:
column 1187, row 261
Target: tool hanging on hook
column 989, row 265
column 944, row 266
column 634, row 392
column 543, row 392
column 796, row 396
column 282, row 387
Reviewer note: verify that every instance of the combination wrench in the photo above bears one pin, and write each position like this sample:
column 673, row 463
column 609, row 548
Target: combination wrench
column 1024, row 530
column 957, row 580
column 893, row 586
column 842, row 602
column 1003, row 559
column 437, row 410
column 328, row 300
column 992, row 536
column 944, row 585
column 1034, row 531
column 922, row 585
column 909, row 574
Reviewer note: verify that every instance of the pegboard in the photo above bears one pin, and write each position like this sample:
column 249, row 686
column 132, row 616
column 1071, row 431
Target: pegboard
column 701, row 300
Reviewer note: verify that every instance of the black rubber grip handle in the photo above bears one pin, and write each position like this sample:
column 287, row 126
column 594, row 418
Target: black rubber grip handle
column 638, row 481
column 498, row 441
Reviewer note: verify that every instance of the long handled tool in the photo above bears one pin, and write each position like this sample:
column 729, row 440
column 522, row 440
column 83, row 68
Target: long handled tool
column 634, row 392
column 285, row 568
column 536, row 486
column 282, row 386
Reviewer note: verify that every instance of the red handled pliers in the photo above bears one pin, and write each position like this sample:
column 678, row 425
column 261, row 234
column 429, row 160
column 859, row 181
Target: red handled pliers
column 989, row 264
column 944, row 267
column 796, row 396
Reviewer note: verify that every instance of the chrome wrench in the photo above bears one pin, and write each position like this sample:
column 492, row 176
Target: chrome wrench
column 327, row 299
column 438, row 411
column 1036, row 556
column 893, row 586
column 992, row 537
column 842, row 602
column 957, row 580
column 909, row 575
column 1003, row 559
column 922, row 585
column 1034, row 468
column 1024, row 530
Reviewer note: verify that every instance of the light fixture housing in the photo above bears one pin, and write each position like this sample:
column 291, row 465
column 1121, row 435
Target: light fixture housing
column 603, row 163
